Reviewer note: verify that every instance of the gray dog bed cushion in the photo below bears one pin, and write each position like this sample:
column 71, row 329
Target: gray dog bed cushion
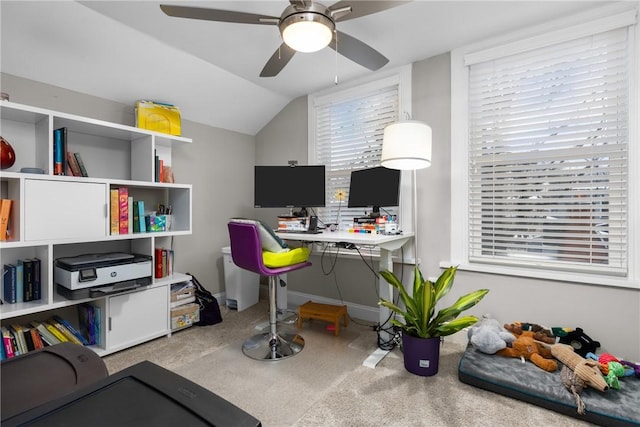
column 527, row 382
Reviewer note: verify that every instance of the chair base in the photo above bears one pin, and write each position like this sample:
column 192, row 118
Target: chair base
column 264, row 347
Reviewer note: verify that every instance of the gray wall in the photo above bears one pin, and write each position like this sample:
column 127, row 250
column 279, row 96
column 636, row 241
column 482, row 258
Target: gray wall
column 609, row 315
column 219, row 165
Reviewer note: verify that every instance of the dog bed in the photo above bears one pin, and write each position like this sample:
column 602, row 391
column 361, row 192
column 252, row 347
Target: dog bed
column 527, row 382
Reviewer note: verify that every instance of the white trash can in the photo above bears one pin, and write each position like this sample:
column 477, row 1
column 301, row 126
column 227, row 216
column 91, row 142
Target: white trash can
column 242, row 287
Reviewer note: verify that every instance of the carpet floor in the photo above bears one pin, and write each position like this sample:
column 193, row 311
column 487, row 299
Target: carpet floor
column 326, row 383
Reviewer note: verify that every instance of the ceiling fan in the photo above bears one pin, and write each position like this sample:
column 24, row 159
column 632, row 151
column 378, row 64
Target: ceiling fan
column 305, row 26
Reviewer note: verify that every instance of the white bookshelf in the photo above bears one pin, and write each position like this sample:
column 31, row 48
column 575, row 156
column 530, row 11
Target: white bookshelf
column 60, row 216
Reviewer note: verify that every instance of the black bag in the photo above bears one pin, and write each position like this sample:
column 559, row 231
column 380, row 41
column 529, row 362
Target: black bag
column 209, row 308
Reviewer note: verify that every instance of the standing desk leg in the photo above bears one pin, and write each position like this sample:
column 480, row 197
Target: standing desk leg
column 386, row 292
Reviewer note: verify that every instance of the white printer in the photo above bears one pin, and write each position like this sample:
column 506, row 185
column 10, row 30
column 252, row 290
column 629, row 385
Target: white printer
column 101, row 273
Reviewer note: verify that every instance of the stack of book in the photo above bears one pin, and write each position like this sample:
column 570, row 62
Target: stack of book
column 21, row 281
column 126, row 215
column 163, row 263
column 20, row 339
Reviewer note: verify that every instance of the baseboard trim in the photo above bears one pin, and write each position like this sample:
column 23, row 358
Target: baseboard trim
column 357, row 311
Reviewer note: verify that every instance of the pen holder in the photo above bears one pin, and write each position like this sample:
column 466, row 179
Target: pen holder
column 157, row 223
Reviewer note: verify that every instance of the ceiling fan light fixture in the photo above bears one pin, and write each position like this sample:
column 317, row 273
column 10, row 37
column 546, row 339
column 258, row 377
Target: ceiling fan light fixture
column 307, row 31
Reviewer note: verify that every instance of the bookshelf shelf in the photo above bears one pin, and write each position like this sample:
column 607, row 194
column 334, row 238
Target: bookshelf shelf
column 55, row 216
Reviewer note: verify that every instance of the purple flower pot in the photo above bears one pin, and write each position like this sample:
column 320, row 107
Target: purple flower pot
column 421, row 355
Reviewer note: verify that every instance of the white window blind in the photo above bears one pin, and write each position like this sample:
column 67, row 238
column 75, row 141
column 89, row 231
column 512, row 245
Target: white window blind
column 349, row 137
column 548, row 156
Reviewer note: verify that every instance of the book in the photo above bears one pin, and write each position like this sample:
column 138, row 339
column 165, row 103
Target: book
column 59, row 151
column 7, row 342
column 5, row 215
column 157, row 169
column 9, row 284
column 114, row 211
column 71, row 329
column 83, row 169
column 161, row 170
column 64, row 331
column 158, row 263
column 35, row 337
column 141, row 219
column 28, row 279
column 165, row 259
column 73, row 164
column 97, row 323
column 20, row 281
column 37, row 286
column 17, row 332
column 130, row 215
column 86, row 320
column 45, row 334
column 55, row 332
column 123, row 206
column 30, row 345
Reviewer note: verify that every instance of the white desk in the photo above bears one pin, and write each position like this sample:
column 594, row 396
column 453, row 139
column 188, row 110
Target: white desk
column 386, row 243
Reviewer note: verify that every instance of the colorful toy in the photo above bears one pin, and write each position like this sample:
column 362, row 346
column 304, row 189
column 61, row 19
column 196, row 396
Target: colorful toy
column 635, row 369
column 527, row 348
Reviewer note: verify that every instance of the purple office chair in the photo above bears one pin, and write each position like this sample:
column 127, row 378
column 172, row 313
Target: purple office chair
column 246, row 252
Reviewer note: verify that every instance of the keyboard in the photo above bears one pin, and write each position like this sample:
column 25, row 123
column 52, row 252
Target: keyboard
column 299, row 231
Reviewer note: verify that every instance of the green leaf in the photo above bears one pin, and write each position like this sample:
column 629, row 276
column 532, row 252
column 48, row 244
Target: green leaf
column 456, row 325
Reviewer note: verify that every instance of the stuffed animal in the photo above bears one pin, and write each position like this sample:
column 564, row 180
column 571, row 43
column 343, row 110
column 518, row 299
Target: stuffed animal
column 488, row 336
column 540, row 333
column 585, row 369
column 526, row 347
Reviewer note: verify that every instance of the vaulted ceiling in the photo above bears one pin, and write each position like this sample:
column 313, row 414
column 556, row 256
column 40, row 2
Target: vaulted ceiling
column 130, row 50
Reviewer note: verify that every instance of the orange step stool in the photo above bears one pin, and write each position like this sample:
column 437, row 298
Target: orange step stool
column 326, row 312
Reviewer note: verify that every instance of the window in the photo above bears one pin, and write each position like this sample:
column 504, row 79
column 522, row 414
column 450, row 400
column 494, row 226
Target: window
column 547, row 151
column 346, row 127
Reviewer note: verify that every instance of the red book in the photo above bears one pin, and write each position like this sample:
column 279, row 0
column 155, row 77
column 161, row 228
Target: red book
column 123, row 203
column 158, row 263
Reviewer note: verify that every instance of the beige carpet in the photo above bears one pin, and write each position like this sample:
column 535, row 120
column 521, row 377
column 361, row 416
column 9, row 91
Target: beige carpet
column 326, row 384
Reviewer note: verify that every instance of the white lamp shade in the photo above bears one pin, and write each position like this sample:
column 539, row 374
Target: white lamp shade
column 307, row 36
column 406, row 145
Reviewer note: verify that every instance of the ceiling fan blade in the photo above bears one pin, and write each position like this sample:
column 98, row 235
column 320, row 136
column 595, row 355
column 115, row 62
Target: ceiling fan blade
column 363, row 7
column 358, row 51
column 278, row 60
column 217, row 15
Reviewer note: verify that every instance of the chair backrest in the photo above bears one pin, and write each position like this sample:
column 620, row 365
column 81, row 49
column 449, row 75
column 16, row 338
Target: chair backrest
column 246, row 248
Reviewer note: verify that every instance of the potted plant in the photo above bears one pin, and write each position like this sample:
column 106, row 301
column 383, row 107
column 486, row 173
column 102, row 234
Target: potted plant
column 423, row 326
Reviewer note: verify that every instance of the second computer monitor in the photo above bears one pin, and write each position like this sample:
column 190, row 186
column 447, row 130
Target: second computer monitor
column 289, row 187
column 374, row 187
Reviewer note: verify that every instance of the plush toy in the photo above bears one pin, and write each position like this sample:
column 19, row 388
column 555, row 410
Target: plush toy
column 540, row 333
column 527, row 348
column 488, row 336
column 581, row 342
column 587, row 370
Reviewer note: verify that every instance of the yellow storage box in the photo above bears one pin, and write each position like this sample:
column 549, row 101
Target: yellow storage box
column 159, row 117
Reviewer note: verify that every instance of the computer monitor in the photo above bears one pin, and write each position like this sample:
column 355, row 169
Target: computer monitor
column 289, row 186
column 376, row 187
